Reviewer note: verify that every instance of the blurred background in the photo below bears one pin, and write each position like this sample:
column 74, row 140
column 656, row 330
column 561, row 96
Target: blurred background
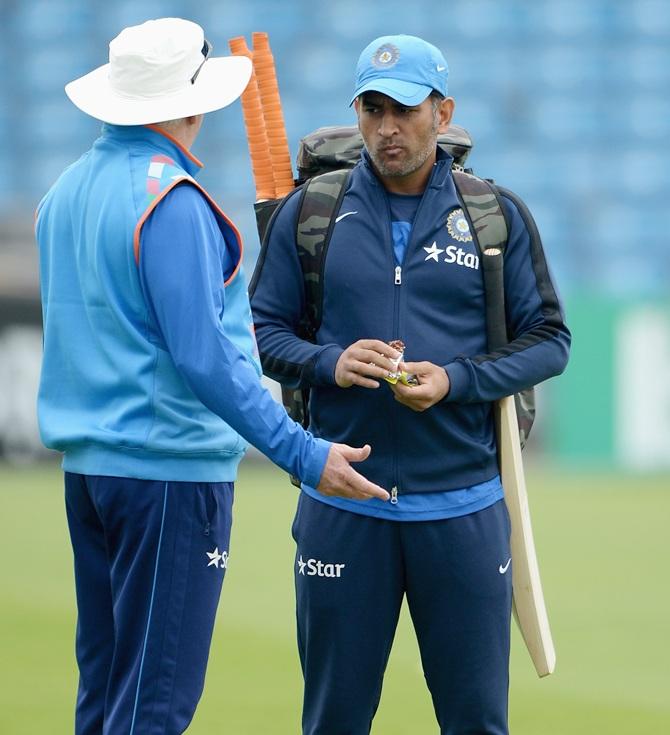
column 568, row 103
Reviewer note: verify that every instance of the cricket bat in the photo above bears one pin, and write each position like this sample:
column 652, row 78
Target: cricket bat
column 528, row 602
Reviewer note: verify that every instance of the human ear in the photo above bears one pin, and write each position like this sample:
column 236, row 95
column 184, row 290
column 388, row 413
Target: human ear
column 446, row 112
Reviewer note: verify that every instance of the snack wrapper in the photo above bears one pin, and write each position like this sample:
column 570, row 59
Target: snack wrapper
column 400, row 375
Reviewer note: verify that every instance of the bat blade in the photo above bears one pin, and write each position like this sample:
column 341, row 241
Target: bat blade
column 529, row 606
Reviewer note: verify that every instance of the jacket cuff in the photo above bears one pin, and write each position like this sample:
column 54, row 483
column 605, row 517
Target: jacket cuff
column 324, row 367
column 459, row 382
column 317, row 461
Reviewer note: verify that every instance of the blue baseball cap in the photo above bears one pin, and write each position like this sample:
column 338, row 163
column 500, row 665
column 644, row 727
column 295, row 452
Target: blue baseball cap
column 406, row 68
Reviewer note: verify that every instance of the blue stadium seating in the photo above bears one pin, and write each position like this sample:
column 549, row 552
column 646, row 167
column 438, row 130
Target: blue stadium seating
column 568, row 103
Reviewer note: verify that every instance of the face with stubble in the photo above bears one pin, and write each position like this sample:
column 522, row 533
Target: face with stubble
column 401, row 140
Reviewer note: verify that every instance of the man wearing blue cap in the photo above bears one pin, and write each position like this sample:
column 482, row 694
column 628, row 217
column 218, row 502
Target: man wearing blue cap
column 402, row 264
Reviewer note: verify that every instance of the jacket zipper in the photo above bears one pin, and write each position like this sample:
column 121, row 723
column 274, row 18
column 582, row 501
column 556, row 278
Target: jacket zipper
column 397, row 282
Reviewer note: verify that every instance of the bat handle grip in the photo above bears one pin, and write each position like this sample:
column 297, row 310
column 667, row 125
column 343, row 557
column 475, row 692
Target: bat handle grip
column 494, row 289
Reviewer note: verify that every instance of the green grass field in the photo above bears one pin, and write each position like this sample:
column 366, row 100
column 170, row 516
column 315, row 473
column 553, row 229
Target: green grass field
column 603, row 546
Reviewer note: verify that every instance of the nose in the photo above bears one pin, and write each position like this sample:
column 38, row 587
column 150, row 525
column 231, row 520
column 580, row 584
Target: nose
column 387, row 124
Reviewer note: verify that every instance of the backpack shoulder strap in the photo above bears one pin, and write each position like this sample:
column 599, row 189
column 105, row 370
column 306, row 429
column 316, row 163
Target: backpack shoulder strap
column 484, row 210
column 485, row 214
column 321, row 199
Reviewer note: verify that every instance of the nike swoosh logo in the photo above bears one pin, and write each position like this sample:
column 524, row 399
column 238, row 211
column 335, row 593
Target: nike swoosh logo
column 342, row 216
column 502, row 569
column 441, row 68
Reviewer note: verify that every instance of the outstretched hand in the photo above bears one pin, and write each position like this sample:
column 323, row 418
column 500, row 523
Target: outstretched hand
column 341, row 479
column 433, row 386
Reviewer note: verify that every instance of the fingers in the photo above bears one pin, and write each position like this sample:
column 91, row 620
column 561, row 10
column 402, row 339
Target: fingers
column 417, row 398
column 365, row 489
column 372, row 353
column 430, row 390
column 358, row 488
column 354, row 454
column 411, row 392
column 363, row 362
column 433, row 385
column 417, row 368
column 368, row 369
column 352, row 378
column 378, row 347
column 372, row 363
column 357, row 485
column 341, row 479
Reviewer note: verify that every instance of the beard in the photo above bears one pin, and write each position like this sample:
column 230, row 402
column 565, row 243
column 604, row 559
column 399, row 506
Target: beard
column 405, row 166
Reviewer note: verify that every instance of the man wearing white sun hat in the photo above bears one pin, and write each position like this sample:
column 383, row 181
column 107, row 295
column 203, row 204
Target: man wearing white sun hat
column 150, row 379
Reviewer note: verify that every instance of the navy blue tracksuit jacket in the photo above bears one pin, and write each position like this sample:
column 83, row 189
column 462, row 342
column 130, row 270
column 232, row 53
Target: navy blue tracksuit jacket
column 434, row 302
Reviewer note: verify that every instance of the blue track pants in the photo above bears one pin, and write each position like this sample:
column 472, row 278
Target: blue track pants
column 149, row 561
column 351, row 575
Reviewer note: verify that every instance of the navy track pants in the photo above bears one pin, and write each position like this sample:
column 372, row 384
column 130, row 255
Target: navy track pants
column 149, row 562
column 351, row 574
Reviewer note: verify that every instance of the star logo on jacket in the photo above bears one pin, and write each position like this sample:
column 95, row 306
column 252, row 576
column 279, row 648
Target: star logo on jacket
column 433, row 252
column 458, row 227
column 216, row 559
column 452, row 255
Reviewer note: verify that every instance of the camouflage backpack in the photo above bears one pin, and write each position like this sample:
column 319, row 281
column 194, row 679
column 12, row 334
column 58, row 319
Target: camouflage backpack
column 325, row 159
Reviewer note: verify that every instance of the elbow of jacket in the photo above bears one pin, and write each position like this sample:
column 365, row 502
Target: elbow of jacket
column 562, row 352
column 194, row 369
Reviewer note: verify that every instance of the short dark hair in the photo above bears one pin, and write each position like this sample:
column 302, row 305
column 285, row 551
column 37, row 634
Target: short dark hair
column 436, row 98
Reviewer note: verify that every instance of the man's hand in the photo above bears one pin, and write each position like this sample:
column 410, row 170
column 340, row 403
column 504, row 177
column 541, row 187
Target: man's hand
column 363, row 361
column 340, row 478
column 433, row 386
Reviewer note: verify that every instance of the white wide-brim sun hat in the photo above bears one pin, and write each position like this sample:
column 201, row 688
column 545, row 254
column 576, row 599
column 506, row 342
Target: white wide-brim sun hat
column 159, row 71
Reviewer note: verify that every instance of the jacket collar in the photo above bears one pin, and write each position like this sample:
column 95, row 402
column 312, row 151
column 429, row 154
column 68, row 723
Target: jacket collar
column 157, row 139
